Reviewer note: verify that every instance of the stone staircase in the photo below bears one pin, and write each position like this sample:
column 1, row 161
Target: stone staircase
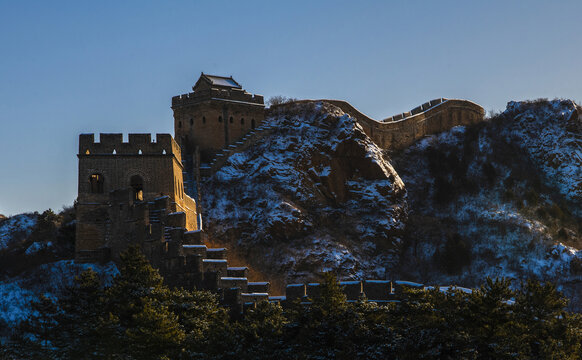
column 207, row 170
column 231, row 283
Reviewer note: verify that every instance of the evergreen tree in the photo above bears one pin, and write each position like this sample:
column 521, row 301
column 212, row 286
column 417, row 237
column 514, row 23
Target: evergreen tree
column 137, row 285
column 549, row 331
column 155, row 333
column 37, row 334
column 137, row 281
column 85, row 330
column 490, row 320
column 260, row 330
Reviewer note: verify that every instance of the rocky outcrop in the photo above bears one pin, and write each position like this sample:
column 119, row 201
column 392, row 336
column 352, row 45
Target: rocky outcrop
column 316, row 194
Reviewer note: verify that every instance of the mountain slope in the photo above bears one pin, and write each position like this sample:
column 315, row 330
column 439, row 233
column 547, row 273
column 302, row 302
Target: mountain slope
column 498, row 199
column 315, row 195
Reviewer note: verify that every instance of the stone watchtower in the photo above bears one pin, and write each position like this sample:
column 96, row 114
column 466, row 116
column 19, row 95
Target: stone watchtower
column 215, row 115
column 126, row 192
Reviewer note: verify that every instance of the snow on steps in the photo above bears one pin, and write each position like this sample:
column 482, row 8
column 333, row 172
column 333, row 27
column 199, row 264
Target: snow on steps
column 206, row 170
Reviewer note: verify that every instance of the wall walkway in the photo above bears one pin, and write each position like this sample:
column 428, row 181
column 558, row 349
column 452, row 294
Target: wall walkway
column 402, row 130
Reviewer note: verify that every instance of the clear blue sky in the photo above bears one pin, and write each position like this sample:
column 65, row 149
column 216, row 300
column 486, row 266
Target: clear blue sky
column 112, row 66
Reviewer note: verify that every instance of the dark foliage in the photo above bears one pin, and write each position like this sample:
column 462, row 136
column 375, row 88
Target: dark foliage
column 140, row 318
column 56, row 230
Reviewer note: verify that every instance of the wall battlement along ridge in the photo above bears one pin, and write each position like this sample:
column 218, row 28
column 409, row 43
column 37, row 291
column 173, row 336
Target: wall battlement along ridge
column 402, row 130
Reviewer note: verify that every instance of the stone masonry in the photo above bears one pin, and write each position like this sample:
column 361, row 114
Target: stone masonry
column 216, row 114
column 146, row 169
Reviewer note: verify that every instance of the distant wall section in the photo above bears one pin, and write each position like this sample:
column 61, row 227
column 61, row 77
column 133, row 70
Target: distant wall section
column 402, row 130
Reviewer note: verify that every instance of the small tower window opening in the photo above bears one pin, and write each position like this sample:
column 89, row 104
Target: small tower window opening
column 96, row 183
column 139, row 152
column 231, row 119
column 87, row 152
column 136, row 183
column 204, row 119
column 252, row 123
column 191, row 121
column 220, row 119
column 179, row 124
column 242, row 121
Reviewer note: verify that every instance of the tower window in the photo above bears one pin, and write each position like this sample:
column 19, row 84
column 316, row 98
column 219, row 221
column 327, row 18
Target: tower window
column 252, row 123
column 242, row 121
column 96, row 183
column 231, row 119
column 220, row 119
column 179, row 124
column 204, row 119
column 136, row 183
column 191, row 121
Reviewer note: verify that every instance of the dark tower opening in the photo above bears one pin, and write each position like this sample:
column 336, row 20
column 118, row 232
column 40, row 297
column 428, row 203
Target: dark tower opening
column 136, row 183
column 96, row 182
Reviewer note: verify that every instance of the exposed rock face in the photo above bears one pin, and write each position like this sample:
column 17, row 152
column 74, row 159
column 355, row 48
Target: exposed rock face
column 315, row 195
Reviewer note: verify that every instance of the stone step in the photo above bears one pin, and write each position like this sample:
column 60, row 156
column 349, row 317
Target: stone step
column 215, row 265
column 234, row 271
column 216, row 253
column 227, row 282
column 254, row 297
column 259, row 287
column 194, row 250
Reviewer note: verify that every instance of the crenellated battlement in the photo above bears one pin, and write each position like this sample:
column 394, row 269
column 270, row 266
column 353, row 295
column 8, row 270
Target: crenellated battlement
column 234, row 95
column 138, row 144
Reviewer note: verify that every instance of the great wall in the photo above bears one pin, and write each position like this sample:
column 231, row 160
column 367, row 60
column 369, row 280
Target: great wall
column 400, row 131
column 137, row 192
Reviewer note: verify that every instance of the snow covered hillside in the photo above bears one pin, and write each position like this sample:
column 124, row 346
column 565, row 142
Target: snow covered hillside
column 16, row 229
column 315, row 195
column 36, row 258
column 498, row 199
column 49, row 279
column 501, row 198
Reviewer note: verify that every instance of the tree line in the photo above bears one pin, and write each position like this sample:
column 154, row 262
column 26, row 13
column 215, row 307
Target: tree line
column 138, row 317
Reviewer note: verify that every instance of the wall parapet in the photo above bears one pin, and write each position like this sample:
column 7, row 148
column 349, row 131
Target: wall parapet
column 137, row 144
column 238, row 95
column 402, row 130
